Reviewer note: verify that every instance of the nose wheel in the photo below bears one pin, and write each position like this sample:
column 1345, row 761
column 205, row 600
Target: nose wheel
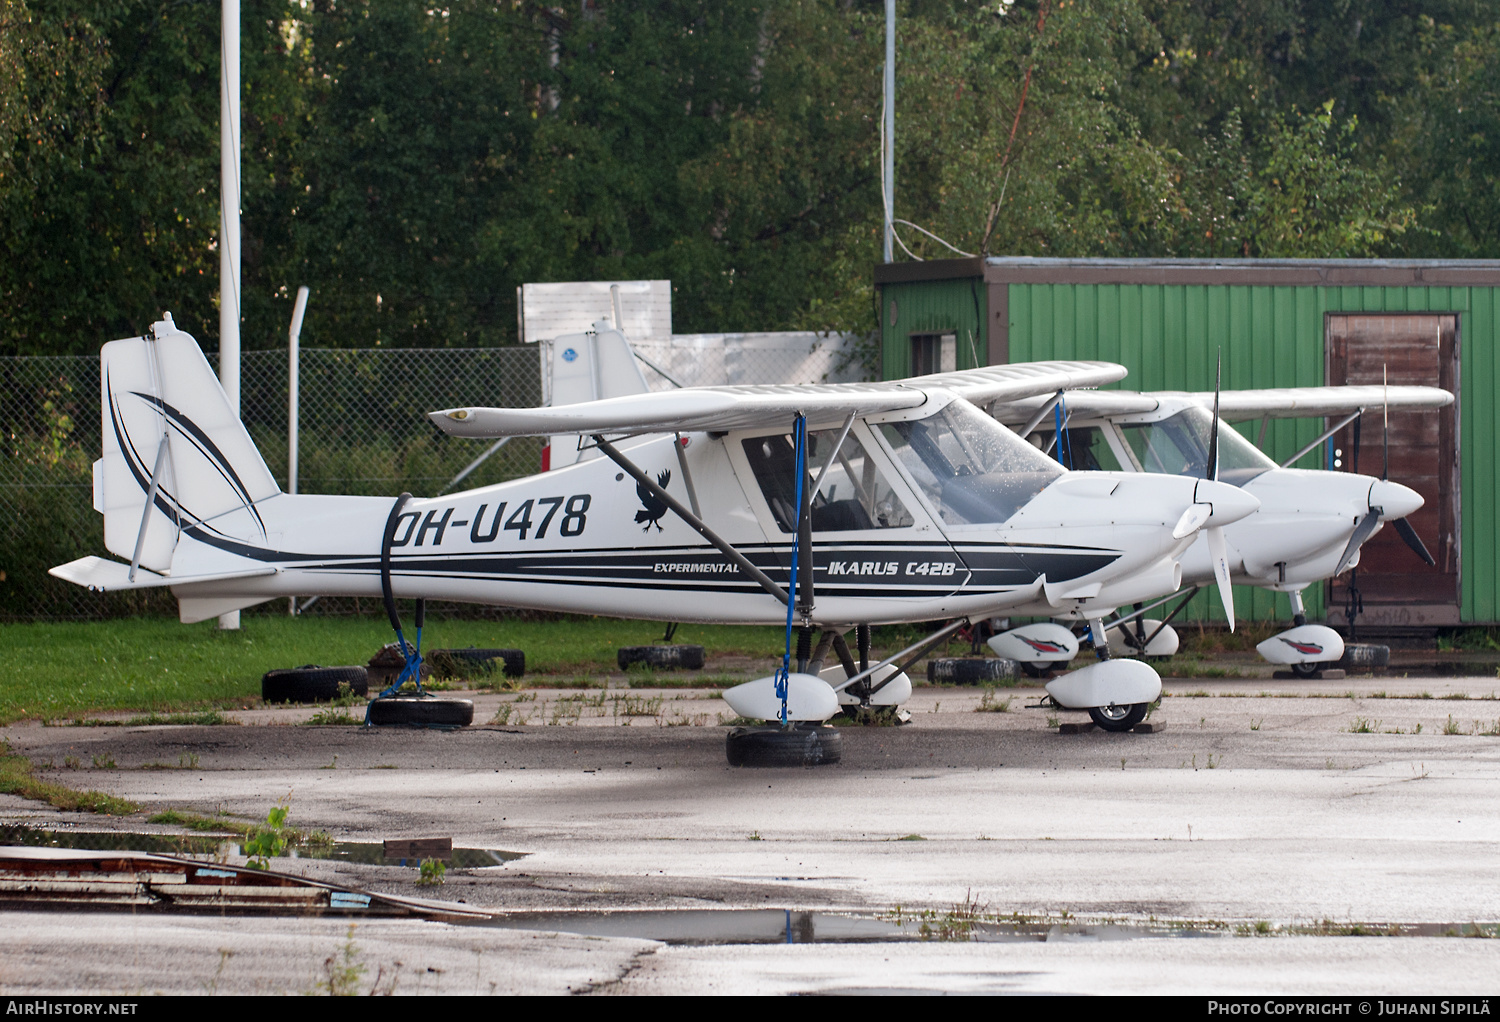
column 1118, row 718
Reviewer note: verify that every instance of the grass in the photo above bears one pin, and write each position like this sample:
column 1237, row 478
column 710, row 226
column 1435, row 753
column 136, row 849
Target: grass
column 989, row 704
column 156, row 666
column 193, row 821
column 333, row 715
column 18, row 777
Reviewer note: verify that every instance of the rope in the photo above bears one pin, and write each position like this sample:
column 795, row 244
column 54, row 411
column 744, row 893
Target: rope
column 1060, row 436
column 783, row 676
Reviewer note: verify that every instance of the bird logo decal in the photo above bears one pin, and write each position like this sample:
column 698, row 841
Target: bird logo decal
column 655, row 508
column 1305, row 648
column 1042, row 645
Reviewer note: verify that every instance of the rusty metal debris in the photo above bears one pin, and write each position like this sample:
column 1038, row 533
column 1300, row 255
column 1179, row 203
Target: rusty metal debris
column 67, row 877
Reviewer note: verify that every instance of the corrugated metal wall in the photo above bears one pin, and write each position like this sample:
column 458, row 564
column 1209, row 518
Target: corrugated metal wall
column 1169, row 336
column 935, row 307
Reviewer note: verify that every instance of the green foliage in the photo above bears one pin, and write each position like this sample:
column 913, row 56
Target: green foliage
column 989, row 704
column 413, row 164
column 343, row 969
column 269, row 840
column 432, row 872
column 332, row 715
column 18, row 777
column 157, row 666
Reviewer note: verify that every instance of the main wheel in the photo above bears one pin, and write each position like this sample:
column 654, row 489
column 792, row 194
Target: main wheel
column 421, row 711
column 1118, row 718
column 665, row 658
column 1036, row 670
column 797, row 746
column 311, row 683
column 1307, row 670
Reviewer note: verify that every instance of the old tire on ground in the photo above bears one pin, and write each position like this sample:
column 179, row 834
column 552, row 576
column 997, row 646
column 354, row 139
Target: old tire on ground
column 311, row 683
column 1118, row 718
column 1362, row 656
column 797, row 746
column 662, row 658
column 472, row 662
column 421, row 711
column 970, row 670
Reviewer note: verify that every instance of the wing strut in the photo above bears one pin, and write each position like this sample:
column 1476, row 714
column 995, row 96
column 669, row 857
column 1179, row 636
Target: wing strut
column 916, row 651
column 740, row 560
column 1321, row 437
column 1041, row 413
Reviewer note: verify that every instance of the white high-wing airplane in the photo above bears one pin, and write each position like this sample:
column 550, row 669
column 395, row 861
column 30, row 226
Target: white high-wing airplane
column 910, row 505
column 1311, row 523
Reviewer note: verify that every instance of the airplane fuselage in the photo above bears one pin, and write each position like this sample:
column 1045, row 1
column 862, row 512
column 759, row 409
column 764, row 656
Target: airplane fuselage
column 583, row 539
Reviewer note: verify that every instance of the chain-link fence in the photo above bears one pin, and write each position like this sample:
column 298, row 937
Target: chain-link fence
column 363, row 429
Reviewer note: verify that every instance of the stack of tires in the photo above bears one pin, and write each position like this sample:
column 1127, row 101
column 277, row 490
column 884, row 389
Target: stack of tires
column 970, row 670
column 313, row 684
column 661, row 658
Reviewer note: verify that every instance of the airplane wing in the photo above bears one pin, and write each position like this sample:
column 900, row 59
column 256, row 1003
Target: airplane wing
column 725, row 408
column 1237, row 405
column 1315, row 402
column 1090, row 404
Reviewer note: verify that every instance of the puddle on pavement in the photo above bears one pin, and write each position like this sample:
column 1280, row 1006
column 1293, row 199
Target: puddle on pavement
column 788, row 926
column 785, row 926
column 211, row 846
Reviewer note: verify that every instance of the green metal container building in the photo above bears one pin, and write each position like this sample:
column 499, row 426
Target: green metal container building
column 1276, row 323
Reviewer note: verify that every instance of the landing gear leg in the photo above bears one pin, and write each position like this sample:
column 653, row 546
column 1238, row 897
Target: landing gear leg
column 1299, row 617
column 1098, row 638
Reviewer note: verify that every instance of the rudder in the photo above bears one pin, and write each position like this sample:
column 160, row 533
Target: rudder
column 169, row 431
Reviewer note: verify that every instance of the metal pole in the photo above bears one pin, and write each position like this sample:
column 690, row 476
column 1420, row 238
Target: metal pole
column 888, row 158
column 294, row 388
column 229, row 219
column 293, row 401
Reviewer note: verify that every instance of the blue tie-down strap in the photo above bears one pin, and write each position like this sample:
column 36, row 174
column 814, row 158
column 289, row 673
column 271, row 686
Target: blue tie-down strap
column 411, row 670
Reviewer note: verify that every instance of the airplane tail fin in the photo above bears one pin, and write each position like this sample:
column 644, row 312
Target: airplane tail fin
column 176, row 456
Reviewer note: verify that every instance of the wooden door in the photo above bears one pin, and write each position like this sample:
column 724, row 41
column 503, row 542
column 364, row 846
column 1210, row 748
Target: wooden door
column 1398, row 588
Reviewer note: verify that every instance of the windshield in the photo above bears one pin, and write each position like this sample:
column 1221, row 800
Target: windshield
column 971, row 468
column 1178, row 445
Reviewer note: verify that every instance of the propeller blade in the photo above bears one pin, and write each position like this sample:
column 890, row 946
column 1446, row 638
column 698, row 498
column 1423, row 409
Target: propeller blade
column 1213, row 434
column 1406, row 532
column 1218, row 552
column 1385, row 433
column 1362, row 532
column 1192, row 520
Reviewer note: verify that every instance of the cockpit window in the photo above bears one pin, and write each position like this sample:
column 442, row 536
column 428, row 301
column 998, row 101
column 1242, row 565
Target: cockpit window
column 1178, row 445
column 854, row 494
column 970, row 467
column 1085, row 449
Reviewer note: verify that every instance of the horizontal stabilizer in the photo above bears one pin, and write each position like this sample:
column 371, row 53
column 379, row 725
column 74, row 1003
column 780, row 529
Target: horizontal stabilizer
column 112, row 576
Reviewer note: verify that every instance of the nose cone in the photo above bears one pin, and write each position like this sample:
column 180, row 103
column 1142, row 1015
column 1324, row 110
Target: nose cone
column 1230, row 503
column 1393, row 499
